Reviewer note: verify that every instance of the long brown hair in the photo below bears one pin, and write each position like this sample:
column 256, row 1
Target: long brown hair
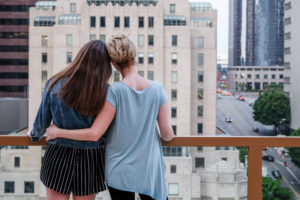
column 87, row 78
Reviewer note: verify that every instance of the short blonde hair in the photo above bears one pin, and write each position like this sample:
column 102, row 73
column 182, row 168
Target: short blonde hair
column 121, row 49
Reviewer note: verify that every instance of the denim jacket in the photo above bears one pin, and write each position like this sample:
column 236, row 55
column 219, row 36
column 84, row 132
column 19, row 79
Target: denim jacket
column 53, row 108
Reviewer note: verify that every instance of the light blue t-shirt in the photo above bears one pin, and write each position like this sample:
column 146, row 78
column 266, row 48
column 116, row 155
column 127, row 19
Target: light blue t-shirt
column 133, row 156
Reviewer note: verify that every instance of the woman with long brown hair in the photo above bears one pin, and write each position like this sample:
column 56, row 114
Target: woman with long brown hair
column 71, row 100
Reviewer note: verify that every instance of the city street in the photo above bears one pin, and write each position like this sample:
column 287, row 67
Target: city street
column 242, row 125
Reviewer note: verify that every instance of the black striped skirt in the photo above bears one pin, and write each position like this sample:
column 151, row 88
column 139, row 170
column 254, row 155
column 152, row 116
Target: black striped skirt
column 70, row 170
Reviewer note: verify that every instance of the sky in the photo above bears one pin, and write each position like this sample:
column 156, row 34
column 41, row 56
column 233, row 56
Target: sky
column 222, row 6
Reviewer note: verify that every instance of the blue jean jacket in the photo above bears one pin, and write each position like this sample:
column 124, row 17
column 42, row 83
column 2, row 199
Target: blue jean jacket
column 53, row 108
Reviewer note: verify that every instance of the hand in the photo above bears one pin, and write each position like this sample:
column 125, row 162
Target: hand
column 52, row 132
column 28, row 133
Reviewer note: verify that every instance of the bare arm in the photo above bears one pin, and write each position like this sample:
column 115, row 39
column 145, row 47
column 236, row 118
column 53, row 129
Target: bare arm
column 101, row 123
column 164, row 122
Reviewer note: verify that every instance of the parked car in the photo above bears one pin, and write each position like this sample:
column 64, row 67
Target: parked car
column 276, row 174
column 255, row 129
column 265, row 148
column 268, row 158
column 228, row 119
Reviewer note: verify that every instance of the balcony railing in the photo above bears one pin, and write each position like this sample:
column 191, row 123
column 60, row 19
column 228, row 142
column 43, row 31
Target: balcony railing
column 254, row 145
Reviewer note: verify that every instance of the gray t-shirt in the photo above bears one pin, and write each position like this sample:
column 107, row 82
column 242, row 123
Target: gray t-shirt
column 133, row 155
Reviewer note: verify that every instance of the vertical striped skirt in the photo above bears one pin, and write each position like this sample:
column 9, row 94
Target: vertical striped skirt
column 70, row 170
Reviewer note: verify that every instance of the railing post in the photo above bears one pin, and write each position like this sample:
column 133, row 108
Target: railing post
column 255, row 173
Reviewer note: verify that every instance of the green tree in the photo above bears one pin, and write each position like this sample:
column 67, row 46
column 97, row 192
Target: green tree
column 295, row 152
column 243, row 152
column 272, row 190
column 278, row 87
column 272, row 108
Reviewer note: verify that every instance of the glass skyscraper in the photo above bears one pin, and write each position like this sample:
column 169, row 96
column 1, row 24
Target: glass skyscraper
column 257, row 32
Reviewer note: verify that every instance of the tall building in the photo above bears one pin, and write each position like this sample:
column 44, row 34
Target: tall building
column 256, row 39
column 256, row 32
column 14, row 25
column 176, row 45
column 292, row 59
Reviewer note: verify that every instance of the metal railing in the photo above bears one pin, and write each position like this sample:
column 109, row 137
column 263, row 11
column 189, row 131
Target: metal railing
column 254, row 145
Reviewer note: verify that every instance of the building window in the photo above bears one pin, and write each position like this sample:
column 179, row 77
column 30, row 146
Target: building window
column 265, row 84
column 199, row 128
column 200, row 111
column 257, row 76
column 150, row 58
column 174, row 76
column 116, row 76
column 69, row 40
column 141, row 22
column 249, row 76
column 173, row 112
column 9, row 187
column 44, row 75
column 92, row 37
column 102, row 22
column 117, row 22
column 224, row 159
column 200, row 93
column 200, row 76
column 174, row 94
column 199, row 148
column 93, row 21
column 174, row 58
column 172, row 8
column 174, row 127
column 44, row 40
column 287, row 65
column 287, row 50
column 273, row 76
column 200, row 59
column 288, row 36
column 173, row 169
column 141, row 73
column 174, row 40
column 281, row 76
column 150, row 22
column 126, row 22
column 265, row 76
column 17, row 161
column 140, row 40
column 150, row 40
column 173, row 189
column 102, row 37
column 287, row 21
column 73, row 7
column 151, row 75
column 44, row 58
column 28, row 187
column 200, row 42
column 69, row 57
column 288, row 5
column 141, row 58
column 199, row 163
column 257, row 85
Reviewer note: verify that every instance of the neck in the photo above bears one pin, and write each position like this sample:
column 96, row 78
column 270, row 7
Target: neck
column 128, row 71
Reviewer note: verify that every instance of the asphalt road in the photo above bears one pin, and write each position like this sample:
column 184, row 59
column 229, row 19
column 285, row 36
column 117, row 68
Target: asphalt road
column 243, row 124
column 241, row 115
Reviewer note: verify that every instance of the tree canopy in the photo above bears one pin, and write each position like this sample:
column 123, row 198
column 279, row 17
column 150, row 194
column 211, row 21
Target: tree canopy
column 272, row 108
column 295, row 152
column 272, row 190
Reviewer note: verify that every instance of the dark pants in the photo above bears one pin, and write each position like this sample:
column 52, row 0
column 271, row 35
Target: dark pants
column 124, row 195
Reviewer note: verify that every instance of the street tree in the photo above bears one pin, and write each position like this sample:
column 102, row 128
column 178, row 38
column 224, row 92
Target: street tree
column 272, row 190
column 295, row 152
column 272, row 108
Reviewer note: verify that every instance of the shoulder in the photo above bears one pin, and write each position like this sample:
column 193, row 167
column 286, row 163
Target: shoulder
column 158, row 86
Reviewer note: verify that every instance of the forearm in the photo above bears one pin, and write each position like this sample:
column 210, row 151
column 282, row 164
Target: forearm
column 87, row 134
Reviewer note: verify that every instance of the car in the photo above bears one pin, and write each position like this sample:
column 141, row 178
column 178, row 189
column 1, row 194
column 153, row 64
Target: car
column 228, row 119
column 268, row 158
column 276, row 174
column 285, row 152
column 219, row 91
column 255, row 129
column 265, row 148
column 241, row 98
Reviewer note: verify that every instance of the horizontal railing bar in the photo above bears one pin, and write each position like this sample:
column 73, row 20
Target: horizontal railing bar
column 15, row 140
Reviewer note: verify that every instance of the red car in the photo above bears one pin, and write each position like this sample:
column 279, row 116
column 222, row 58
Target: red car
column 241, row 98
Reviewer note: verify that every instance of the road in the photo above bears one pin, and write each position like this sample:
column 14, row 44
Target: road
column 242, row 125
column 241, row 114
